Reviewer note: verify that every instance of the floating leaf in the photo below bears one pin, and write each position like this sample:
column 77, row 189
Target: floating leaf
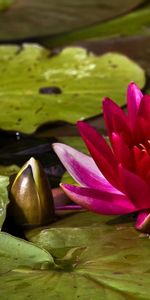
column 109, row 259
column 35, row 18
column 97, row 258
column 130, row 46
column 82, row 78
column 132, row 24
column 4, row 181
column 8, row 170
column 17, row 255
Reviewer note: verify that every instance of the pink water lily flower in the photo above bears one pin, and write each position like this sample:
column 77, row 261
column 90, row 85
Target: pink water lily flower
column 115, row 180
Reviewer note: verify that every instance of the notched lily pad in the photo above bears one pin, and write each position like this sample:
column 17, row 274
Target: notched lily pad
column 84, row 79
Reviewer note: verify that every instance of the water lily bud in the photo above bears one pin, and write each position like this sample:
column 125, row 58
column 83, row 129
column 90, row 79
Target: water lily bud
column 31, row 198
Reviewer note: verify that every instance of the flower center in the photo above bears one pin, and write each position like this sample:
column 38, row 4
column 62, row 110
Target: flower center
column 145, row 147
column 142, row 160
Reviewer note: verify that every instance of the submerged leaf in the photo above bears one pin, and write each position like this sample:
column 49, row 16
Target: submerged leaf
column 132, row 24
column 83, row 79
column 36, row 18
column 5, row 4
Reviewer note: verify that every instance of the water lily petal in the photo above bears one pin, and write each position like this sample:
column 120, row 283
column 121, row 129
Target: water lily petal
column 91, row 134
column 137, row 154
column 69, row 207
column 99, row 201
column 82, row 168
column 100, row 151
column 134, row 96
column 141, row 130
column 144, row 108
column 115, row 119
column 142, row 163
column 136, row 189
column 143, row 221
column 60, row 199
column 122, row 152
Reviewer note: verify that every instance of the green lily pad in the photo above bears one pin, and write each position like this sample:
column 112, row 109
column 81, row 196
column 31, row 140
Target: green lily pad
column 4, row 181
column 9, row 170
column 22, row 256
column 112, row 260
column 130, row 46
column 68, row 86
column 5, row 4
column 95, row 257
column 36, row 18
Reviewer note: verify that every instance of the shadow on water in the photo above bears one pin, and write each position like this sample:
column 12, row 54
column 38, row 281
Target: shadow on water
column 122, row 220
column 16, row 148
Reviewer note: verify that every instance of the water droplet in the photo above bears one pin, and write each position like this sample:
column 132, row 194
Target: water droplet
column 18, row 136
column 59, row 101
column 1, row 210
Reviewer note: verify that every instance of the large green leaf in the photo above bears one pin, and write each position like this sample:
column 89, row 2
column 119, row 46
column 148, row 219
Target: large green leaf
column 83, row 80
column 108, row 259
column 34, row 18
column 95, row 258
column 134, row 47
column 4, row 181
